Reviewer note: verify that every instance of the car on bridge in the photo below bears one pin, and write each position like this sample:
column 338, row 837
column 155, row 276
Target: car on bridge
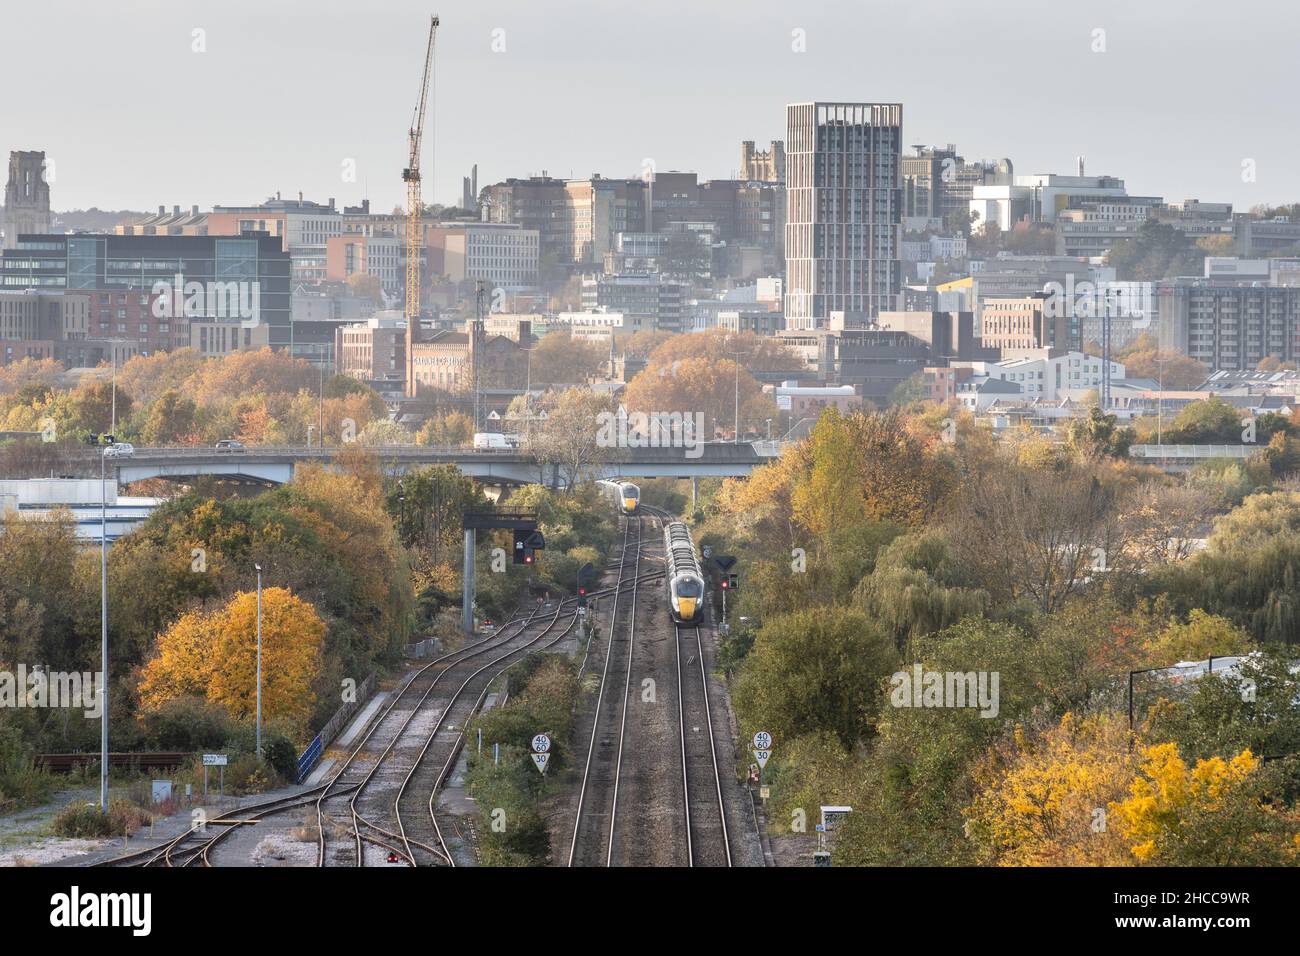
column 230, row 446
column 122, row 449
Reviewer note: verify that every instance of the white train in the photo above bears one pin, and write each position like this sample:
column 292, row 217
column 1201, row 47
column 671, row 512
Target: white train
column 625, row 495
column 685, row 579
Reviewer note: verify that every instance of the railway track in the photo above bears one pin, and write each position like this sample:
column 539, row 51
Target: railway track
column 646, row 798
column 193, row 847
column 596, row 818
column 382, row 799
column 364, row 769
column 418, row 794
column 705, row 816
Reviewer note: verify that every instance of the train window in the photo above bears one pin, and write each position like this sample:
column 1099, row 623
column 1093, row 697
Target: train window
column 689, row 587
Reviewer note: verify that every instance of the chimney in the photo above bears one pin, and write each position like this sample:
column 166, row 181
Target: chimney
column 194, row 210
column 1080, row 166
column 299, row 195
column 162, row 210
column 176, row 210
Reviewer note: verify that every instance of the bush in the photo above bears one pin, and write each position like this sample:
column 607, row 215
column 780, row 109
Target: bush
column 126, row 817
column 83, row 820
column 188, row 723
column 246, row 775
column 21, row 784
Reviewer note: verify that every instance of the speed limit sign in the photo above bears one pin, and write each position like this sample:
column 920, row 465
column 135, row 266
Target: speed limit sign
column 762, row 740
column 542, row 744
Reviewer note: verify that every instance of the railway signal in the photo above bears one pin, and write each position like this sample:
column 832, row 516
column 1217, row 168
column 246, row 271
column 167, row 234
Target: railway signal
column 585, row 574
column 526, row 543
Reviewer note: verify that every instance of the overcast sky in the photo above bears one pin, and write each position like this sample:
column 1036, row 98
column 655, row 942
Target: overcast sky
column 288, row 91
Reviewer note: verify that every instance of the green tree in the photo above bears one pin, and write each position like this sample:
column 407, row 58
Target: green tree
column 815, row 671
column 1099, row 434
column 1159, row 251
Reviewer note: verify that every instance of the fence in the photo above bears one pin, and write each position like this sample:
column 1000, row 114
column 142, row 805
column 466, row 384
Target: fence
column 311, row 756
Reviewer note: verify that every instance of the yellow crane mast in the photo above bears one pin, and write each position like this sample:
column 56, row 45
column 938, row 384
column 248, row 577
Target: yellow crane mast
column 414, row 233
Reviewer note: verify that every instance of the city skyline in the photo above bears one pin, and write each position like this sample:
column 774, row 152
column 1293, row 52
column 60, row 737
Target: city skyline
column 966, row 80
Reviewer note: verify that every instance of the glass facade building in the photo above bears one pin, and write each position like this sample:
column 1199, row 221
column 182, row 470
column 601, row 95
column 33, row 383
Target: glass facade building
column 245, row 274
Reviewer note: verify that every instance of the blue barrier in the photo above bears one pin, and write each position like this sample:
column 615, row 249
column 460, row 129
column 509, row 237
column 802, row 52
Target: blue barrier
column 310, row 757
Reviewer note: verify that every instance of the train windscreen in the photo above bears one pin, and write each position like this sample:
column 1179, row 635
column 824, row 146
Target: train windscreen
column 689, row 587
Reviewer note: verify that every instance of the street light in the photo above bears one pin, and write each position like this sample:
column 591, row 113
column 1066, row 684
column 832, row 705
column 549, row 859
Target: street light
column 103, row 626
column 736, row 356
column 259, row 660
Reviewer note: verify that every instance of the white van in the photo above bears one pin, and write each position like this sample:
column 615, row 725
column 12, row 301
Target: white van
column 491, row 441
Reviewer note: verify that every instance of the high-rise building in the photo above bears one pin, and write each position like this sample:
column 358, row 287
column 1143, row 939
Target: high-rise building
column 27, row 197
column 843, row 182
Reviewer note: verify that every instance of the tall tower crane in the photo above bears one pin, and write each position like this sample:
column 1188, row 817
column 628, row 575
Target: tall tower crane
column 414, row 210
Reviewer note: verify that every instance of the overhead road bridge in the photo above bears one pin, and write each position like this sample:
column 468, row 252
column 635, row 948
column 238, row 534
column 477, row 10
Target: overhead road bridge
column 274, row 465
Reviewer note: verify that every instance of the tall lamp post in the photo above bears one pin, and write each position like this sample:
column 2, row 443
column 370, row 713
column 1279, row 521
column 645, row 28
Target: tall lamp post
column 259, row 660
column 103, row 625
column 736, row 357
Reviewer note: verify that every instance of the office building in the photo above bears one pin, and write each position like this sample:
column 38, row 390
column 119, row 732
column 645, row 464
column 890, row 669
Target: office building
column 153, row 290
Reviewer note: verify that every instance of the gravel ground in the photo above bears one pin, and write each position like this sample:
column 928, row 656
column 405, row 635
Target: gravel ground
column 746, row 847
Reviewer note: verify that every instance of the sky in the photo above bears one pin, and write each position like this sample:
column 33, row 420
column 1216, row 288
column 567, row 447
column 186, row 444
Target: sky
column 1182, row 99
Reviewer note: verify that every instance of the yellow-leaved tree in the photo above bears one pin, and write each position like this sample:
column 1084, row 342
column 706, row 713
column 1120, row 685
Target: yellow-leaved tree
column 214, row 655
column 182, row 664
column 1044, row 798
column 1217, row 813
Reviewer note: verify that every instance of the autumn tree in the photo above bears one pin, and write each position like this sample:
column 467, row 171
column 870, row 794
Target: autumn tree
column 1042, row 797
column 570, row 438
column 27, row 372
column 702, row 386
column 148, row 376
column 1038, row 532
column 93, row 404
column 868, row 466
column 171, row 419
column 639, row 345
column 1216, row 813
column 559, row 359
column 365, row 286
column 449, row 429
column 757, row 352
column 292, row 635
column 215, row 656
